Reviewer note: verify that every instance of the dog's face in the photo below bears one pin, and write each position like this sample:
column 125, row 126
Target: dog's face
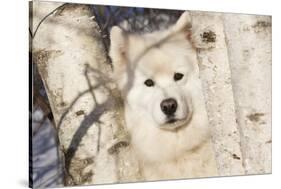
column 156, row 73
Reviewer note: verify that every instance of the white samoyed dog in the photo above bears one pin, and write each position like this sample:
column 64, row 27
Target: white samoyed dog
column 158, row 76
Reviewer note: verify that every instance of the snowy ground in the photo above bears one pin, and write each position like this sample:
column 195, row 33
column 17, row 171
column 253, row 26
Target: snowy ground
column 47, row 171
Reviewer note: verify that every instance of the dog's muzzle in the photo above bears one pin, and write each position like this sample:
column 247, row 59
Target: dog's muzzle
column 169, row 107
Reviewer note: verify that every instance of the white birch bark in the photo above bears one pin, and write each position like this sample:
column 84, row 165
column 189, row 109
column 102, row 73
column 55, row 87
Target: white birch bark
column 249, row 51
column 216, row 78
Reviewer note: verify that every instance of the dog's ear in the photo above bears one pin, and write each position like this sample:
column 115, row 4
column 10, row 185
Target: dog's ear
column 117, row 44
column 183, row 23
column 201, row 37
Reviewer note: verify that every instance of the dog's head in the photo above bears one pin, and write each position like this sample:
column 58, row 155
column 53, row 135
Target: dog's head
column 157, row 72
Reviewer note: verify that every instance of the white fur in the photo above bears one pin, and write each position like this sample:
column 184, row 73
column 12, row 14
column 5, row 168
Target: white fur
column 165, row 151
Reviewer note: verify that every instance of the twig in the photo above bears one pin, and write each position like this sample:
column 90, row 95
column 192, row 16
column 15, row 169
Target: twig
column 41, row 21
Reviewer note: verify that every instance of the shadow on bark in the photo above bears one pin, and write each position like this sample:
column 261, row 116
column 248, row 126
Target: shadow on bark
column 91, row 119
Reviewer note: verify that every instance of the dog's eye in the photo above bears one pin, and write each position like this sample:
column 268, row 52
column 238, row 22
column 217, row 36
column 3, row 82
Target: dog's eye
column 178, row 76
column 149, row 82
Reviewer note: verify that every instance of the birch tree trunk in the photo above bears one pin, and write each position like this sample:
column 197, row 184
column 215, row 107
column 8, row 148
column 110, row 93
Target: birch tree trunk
column 234, row 54
column 71, row 59
column 249, row 46
column 216, row 78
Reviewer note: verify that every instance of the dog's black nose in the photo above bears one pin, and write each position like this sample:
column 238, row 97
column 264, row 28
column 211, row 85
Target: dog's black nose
column 169, row 106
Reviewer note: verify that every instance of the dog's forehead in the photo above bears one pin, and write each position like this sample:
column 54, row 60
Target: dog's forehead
column 156, row 56
column 156, row 62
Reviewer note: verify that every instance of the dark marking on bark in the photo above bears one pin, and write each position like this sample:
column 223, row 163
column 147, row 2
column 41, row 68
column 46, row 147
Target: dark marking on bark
column 235, row 156
column 262, row 24
column 246, row 56
column 255, row 117
column 77, row 172
column 87, row 177
column 208, row 36
column 80, row 112
column 62, row 104
column 268, row 142
column 115, row 148
column 41, row 58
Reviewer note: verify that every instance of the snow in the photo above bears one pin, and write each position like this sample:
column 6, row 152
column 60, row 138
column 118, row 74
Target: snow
column 47, row 171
